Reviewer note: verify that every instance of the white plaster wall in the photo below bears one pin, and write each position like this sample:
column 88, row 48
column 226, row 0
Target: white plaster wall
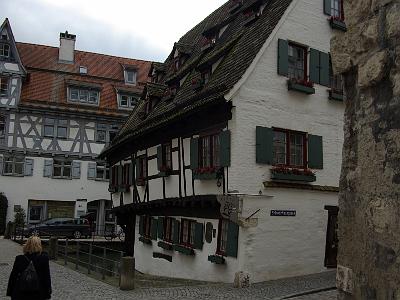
column 264, row 97
column 195, row 267
column 19, row 189
column 285, row 246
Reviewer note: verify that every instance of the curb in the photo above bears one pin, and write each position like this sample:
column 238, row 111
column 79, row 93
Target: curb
column 309, row 292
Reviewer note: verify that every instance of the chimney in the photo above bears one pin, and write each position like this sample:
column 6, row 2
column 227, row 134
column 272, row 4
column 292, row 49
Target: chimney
column 67, row 47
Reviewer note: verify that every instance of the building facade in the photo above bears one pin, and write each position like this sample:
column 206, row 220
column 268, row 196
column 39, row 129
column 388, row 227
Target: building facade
column 59, row 107
column 234, row 153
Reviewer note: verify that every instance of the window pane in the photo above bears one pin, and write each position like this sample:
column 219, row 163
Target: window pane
column 3, row 86
column 133, row 101
column 2, row 129
column 130, row 76
column 296, row 62
column 35, row 213
column 49, row 130
column 100, row 173
column 296, row 149
column 124, row 100
column 61, row 132
column 101, row 136
column 93, row 96
column 57, row 171
column 279, row 147
column 66, row 171
column 8, row 167
column 74, row 94
column 83, row 95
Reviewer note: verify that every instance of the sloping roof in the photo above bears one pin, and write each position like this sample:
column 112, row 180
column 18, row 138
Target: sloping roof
column 238, row 46
column 48, row 78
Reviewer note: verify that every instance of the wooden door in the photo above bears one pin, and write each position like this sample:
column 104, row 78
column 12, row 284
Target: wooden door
column 331, row 246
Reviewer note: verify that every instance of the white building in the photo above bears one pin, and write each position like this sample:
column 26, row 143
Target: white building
column 59, row 107
column 231, row 169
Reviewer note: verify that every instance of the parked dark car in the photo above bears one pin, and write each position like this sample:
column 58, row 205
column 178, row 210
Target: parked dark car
column 62, row 227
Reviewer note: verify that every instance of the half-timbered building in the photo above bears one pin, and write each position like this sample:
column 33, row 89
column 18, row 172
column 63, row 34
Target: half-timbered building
column 59, row 107
column 229, row 160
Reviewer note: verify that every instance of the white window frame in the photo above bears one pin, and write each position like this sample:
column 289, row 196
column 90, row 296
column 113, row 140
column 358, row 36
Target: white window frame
column 129, row 100
column 126, row 76
column 13, row 160
column 83, row 95
column 106, row 171
column 62, row 164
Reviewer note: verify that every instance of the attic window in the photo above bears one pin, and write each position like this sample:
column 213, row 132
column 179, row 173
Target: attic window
column 4, row 37
column 4, row 50
column 130, row 76
column 83, row 70
column 206, row 75
column 209, row 41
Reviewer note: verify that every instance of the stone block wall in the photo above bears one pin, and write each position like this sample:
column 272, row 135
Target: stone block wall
column 368, row 55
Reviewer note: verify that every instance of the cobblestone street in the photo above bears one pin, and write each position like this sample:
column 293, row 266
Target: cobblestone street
column 71, row 285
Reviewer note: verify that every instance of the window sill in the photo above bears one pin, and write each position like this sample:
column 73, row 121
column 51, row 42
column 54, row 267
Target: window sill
column 184, row 250
column 216, row 259
column 292, row 86
column 165, row 245
column 335, row 96
column 59, row 177
column 293, row 177
column 145, row 240
column 205, row 176
column 338, row 24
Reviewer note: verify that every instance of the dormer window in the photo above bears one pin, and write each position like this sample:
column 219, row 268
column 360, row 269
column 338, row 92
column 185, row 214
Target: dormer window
column 84, row 95
column 127, row 101
column 4, row 86
column 235, row 5
column 4, row 50
column 4, row 37
column 209, row 41
column 206, row 75
column 82, row 70
column 130, row 76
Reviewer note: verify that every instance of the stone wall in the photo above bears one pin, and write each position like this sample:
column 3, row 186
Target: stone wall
column 368, row 55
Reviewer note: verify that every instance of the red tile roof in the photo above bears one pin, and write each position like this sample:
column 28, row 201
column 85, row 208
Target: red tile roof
column 48, row 79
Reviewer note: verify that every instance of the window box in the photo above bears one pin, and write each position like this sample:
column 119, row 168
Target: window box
column 206, row 173
column 183, row 249
column 301, row 86
column 145, row 240
column 335, row 96
column 337, row 23
column 216, row 259
column 165, row 245
column 282, row 173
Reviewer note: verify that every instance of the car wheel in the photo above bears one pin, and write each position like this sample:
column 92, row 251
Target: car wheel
column 77, row 234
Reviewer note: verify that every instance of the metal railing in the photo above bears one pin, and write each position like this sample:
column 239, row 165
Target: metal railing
column 93, row 258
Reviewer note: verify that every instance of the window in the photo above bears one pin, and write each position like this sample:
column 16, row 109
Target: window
column 147, row 225
column 114, row 178
column 130, row 76
column 83, row 70
column 105, row 133
column 83, row 95
column 4, row 86
column 4, row 50
column 336, row 81
column 35, row 213
column 222, row 236
column 168, row 229
column 14, row 166
column 205, row 76
column 289, row 148
column 209, row 151
column 167, row 156
column 337, row 9
column 297, row 68
column 55, row 128
column 2, row 129
column 126, row 174
column 142, row 168
column 188, row 232
column 127, row 101
column 62, row 168
column 102, row 171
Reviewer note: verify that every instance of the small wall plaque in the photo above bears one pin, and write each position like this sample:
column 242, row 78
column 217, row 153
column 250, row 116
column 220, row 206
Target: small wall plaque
column 283, row 213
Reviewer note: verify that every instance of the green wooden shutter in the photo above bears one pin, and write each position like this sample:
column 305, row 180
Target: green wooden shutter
column 48, row 168
column 314, row 66
column 225, row 148
column 141, row 225
column 264, row 145
column 194, row 153
column 120, row 174
column 324, row 69
column 161, row 228
column 198, row 236
column 283, row 57
column 159, row 157
column 327, row 7
column 130, row 174
column 315, row 152
column 175, row 233
column 232, row 242
column 91, row 172
column 153, row 228
column 76, row 169
column 28, row 167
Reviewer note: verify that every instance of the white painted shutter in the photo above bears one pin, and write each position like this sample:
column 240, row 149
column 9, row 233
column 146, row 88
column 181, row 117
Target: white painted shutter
column 28, row 167
column 91, row 171
column 48, row 168
column 76, row 169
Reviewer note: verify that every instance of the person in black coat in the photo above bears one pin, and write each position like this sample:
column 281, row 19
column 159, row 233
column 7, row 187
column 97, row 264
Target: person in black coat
column 32, row 252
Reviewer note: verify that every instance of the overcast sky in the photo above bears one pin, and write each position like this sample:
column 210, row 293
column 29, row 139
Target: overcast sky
column 142, row 29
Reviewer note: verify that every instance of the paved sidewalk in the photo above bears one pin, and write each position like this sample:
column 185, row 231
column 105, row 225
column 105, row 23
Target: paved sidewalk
column 70, row 285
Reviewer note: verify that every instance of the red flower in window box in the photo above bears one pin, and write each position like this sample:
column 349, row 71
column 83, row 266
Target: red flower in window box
column 294, row 171
column 304, row 82
column 206, row 170
column 335, row 18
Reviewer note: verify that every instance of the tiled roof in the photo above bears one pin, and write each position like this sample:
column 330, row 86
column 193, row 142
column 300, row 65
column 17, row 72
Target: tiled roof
column 48, row 79
column 238, row 46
